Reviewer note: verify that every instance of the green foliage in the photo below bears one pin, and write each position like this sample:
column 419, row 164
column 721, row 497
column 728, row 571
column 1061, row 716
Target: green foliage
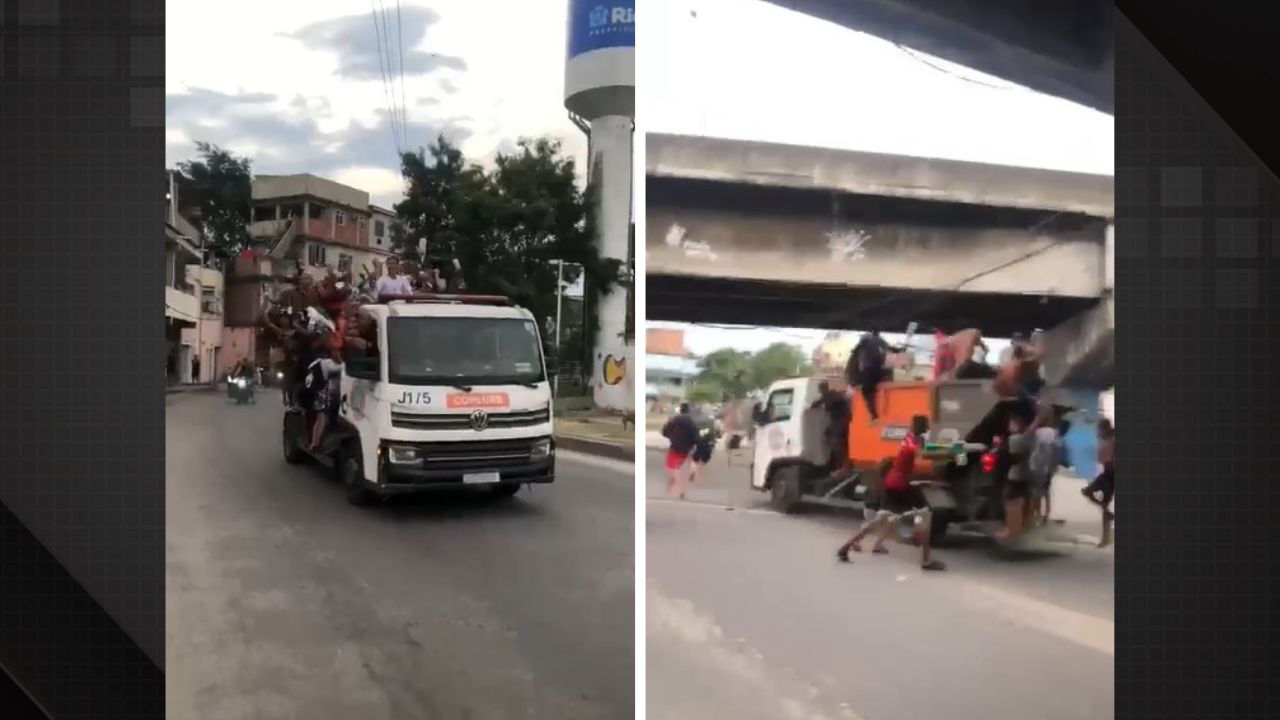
column 736, row 373
column 506, row 225
column 707, row 391
column 216, row 192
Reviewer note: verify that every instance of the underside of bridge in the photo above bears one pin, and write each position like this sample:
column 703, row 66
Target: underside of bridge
column 1064, row 48
column 728, row 301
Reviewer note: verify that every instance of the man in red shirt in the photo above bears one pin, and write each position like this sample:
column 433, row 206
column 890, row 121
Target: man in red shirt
column 898, row 500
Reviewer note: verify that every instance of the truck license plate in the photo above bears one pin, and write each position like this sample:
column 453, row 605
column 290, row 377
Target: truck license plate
column 487, row 478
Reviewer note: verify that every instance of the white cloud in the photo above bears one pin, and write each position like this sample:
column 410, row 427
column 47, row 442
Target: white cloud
column 751, row 70
column 301, row 115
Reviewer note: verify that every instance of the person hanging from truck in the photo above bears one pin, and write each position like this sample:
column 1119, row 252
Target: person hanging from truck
column 839, row 414
column 958, row 356
column 322, row 380
column 896, row 500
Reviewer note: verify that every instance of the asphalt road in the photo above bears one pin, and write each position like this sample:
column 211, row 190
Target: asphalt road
column 749, row 616
column 285, row 602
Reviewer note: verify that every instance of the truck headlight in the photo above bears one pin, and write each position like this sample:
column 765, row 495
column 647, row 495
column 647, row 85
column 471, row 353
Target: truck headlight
column 540, row 450
column 403, row 454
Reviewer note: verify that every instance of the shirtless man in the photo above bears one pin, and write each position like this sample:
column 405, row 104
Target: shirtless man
column 955, row 352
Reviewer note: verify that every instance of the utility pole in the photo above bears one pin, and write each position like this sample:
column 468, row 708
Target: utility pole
column 555, row 383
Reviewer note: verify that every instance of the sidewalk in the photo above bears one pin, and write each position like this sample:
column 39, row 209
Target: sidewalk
column 595, row 433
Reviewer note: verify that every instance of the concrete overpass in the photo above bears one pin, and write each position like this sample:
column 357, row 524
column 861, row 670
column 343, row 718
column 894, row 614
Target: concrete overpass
column 758, row 233
column 1064, row 48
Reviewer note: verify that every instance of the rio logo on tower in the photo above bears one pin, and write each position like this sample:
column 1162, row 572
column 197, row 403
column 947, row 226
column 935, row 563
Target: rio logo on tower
column 594, row 26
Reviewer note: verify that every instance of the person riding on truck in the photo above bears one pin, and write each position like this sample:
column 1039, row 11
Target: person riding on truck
column 898, row 500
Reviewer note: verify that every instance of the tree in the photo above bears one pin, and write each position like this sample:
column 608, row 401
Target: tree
column 706, row 391
column 778, row 361
column 736, row 373
column 729, row 370
column 216, row 192
column 505, row 226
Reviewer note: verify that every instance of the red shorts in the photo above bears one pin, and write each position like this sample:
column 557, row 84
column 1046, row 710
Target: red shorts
column 675, row 460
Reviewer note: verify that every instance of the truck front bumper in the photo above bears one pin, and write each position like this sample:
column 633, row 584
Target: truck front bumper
column 450, row 465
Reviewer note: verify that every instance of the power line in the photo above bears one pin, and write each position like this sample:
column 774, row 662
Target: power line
column 404, row 107
column 382, row 67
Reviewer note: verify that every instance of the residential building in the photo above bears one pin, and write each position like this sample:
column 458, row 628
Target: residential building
column 193, row 297
column 668, row 367
column 297, row 219
column 322, row 223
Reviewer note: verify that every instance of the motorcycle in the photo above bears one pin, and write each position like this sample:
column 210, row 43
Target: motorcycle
column 240, row 390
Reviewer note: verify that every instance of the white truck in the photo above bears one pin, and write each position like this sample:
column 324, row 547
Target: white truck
column 455, row 394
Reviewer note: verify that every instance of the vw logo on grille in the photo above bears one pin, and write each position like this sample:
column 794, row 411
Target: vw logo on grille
column 479, row 420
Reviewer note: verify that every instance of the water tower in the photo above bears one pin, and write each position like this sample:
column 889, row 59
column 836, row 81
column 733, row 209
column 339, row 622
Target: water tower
column 600, row 90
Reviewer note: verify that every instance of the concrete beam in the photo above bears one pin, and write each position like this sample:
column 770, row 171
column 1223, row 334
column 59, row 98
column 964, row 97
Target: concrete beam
column 859, row 173
column 803, row 249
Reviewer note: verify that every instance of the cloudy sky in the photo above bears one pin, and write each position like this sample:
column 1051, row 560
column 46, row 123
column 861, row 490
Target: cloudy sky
column 297, row 85
column 750, row 70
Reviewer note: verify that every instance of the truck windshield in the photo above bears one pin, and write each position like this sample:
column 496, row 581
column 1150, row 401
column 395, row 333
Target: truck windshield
column 463, row 351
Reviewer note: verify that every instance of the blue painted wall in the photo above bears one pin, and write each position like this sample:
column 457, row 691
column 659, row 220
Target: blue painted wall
column 1082, row 440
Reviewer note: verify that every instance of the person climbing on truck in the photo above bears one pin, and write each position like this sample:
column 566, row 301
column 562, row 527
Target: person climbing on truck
column 899, row 500
column 866, row 368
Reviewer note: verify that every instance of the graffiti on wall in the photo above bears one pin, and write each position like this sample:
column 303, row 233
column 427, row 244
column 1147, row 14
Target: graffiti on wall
column 848, row 245
column 678, row 238
column 614, row 370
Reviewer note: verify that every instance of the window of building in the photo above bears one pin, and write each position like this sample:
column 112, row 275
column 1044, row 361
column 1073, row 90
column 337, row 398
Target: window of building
column 340, row 217
column 316, row 254
column 379, row 229
column 316, row 211
column 209, row 301
column 263, row 213
column 291, row 211
column 362, row 225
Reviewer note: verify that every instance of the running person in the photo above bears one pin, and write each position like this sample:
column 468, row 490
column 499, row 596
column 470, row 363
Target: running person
column 703, row 446
column 1102, row 490
column 899, row 500
column 682, row 434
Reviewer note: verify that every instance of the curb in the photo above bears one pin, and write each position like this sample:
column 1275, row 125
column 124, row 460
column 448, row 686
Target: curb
column 589, row 446
column 183, row 389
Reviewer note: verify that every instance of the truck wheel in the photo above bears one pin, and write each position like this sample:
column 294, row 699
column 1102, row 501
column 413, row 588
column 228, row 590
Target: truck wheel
column 505, row 490
column 784, row 490
column 291, row 435
column 352, row 474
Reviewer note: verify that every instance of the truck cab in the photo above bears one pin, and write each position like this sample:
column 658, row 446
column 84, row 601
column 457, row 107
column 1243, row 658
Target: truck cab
column 452, row 391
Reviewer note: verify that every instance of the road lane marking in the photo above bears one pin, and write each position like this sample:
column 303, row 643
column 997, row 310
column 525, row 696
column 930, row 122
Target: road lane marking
column 1079, row 628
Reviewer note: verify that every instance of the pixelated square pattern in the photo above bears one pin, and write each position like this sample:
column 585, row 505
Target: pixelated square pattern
column 146, row 107
column 146, row 13
column 94, row 56
column 1181, row 238
column 38, row 56
column 1236, row 238
column 146, row 56
column 1181, row 187
column 1236, row 187
column 1236, row 289
column 39, row 13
